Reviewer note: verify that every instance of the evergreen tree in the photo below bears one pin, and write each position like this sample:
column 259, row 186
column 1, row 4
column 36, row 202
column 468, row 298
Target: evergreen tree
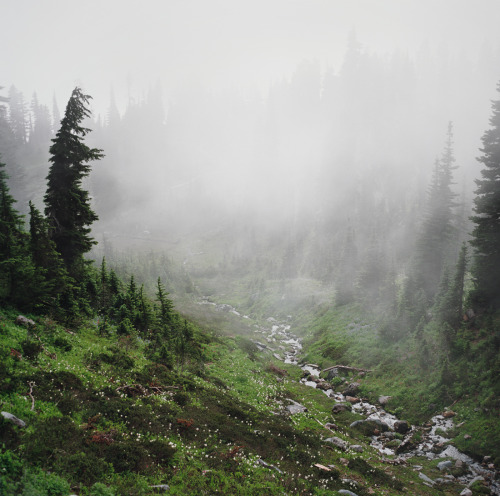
column 67, row 203
column 486, row 233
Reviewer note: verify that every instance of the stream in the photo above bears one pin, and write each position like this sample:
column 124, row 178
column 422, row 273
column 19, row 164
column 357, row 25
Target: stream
column 277, row 339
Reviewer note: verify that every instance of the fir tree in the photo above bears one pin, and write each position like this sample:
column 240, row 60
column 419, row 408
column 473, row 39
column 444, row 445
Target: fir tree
column 67, row 203
column 486, row 234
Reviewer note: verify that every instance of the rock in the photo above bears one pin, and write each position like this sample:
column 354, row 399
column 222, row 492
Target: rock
column 295, row 408
column 352, row 389
column 339, row 443
column 275, row 355
column 331, row 426
column 161, row 487
column 466, row 492
column 448, row 414
column 476, row 479
column 370, row 426
column 343, row 461
column 340, row 407
column 345, row 491
column 352, row 399
column 357, row 448
column 25, row 322
column 426, row 479
column 323, row 385
column 486, row 459
column 13, row 419
column 332, row 373
column 401, row 426
column 383, row 400
column 467, row 436
column 444, row 465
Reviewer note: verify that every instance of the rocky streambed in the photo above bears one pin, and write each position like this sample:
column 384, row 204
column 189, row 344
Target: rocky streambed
column 277, row 339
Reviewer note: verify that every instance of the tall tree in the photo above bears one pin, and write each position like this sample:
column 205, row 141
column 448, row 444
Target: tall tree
column 486, row 234
column 67, row 203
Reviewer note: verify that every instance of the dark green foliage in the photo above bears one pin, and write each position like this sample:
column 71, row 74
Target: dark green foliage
column 486, row 233
column 67, row 204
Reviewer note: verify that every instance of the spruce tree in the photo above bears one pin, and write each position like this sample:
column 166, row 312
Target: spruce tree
column 67, row 203
column 486, row 234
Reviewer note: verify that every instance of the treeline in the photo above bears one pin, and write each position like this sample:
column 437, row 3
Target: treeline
column 43, row 269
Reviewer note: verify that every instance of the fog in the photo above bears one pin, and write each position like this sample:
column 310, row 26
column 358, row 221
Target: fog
column 301, row 117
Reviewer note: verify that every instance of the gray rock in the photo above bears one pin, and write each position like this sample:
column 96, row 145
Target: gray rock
column 383, row 400
column 340, row 407
column 161, row 487
column 295, row 408
column 401, row 426
column 476, row 479
column 345, row 491
column 466, row 492
column 426, row 479
column 332, row 373
column 339, row 443
column 369, row 426
column 444, row 465
column 352, row 389
column 357, row 448
column 13, row 419
column 25, row 322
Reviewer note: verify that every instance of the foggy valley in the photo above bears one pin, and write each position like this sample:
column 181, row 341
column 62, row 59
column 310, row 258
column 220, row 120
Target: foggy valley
column 305, row 186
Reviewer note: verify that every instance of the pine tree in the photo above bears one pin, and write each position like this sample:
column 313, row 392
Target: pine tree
column 67, row 203
column 486, row 234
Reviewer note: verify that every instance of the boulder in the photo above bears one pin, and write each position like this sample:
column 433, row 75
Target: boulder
column 383, row 400
column 295, row 408
column 21, row 320
column 13, row 419
column 357, row 448
column 448, row 414
column 444, row 465
column 401, row 426
column 352, row 399
column 352, row 389
column 347, row 492
column 370, row 427
column 332, row 373
column 337, row 442
column 466, row 492
column 426, row 479
column 340, row 407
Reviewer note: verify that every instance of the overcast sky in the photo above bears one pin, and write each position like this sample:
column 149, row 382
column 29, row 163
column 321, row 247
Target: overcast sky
column 52, row 45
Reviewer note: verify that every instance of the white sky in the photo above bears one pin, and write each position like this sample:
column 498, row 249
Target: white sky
column 52, row 45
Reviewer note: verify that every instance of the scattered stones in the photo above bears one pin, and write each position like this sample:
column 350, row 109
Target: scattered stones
column 13, row 419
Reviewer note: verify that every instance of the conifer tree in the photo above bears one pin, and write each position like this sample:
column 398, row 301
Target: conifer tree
column 486, row 234
column 67, row 203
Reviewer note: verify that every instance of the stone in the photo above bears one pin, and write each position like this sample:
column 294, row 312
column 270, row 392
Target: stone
column 345, row 491
column 352, row 399
column 21, row 320
column 370, row 427
column 448, row 414
column 337, row 442
column 401, row 426
column 332, row 373
column 13, row 419
column 467, row 436
column 340, row 407
column 161, row 487
column 466, row 492
column 426, row 479
column 352, row 389
column 268, row 465
column 295, row 408
column 357, row 448
column 331, row 426
column 444, row 465
column 383, row 400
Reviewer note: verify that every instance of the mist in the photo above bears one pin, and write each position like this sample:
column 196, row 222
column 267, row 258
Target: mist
column 274, row 127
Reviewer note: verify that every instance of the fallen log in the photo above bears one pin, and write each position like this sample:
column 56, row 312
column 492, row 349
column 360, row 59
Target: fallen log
column 345, row 367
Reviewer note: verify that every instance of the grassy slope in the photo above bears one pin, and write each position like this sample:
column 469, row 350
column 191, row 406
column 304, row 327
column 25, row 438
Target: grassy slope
column 202, row 431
